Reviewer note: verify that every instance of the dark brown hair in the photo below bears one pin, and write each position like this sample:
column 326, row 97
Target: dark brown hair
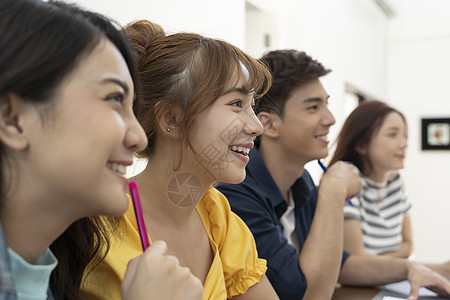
column 357, row 132
column 41, row 44
column 185, row 70
column 290, row 69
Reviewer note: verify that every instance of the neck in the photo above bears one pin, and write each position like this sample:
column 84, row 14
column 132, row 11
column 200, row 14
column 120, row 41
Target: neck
column 281, row 166
column 378, row 176
column 30, row 230
column 170, row 196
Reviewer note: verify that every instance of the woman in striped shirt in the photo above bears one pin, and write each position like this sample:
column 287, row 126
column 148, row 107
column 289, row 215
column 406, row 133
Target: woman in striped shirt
column 374, row 139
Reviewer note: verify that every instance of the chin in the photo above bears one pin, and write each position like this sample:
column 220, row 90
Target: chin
column 323, row 154
column 118, row 207
column 234, row 178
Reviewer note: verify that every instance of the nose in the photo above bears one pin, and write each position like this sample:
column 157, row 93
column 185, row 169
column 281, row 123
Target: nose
column 328, row 118
column 403, row 142
column 252, row 125
column 135, row 138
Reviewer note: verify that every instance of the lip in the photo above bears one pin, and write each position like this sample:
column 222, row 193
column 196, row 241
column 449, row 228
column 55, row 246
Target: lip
column 318, row 137
column 121, row 176
column 244, row 158
column 400, row 156
column 126, row 163
column 249, row 145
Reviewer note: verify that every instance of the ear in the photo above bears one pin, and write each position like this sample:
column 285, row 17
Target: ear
column 269, row 122
column 13, row 110
column 361, row 149
column 169, row 118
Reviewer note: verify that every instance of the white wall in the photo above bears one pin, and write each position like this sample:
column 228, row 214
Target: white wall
column 220, row 19
column 399, row 60
column 418, row 84
column 347, row 36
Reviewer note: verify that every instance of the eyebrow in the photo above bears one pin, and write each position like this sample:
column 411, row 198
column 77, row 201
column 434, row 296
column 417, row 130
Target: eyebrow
column 315, row 99
column 237, row 90
column 393, row 128
column 119, row 82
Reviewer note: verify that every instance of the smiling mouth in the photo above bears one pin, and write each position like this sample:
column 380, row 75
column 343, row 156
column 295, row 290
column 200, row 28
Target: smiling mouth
column 241, row 150
column 323, row 137
column 119, row 168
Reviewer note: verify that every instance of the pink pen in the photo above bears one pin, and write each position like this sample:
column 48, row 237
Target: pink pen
column 138, row 212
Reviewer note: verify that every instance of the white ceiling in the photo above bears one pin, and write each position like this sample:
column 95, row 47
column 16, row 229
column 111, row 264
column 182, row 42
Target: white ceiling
column 401, row 7
column 419, row 18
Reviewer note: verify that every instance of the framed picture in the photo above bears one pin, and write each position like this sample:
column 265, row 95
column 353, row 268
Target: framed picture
column 436, row 134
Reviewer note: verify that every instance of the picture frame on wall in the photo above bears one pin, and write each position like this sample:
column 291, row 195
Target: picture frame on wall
column 436, row 134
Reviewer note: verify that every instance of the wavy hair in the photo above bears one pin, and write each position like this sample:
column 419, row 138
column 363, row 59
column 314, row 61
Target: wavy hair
column 185, row 70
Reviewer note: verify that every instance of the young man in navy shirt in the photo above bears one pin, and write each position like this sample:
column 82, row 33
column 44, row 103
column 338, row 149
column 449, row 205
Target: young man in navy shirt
column 298, row 228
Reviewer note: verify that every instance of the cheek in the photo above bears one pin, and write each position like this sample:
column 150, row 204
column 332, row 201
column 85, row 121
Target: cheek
column 231, row 129
column 378, row 157
column 112, row 127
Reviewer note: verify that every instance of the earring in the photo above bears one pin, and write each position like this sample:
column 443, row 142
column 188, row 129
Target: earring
column 363, row 151
column 168, row 129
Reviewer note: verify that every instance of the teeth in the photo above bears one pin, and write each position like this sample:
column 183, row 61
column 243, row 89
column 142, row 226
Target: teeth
column 323, row 137
column 122, row 169
column 240, row 149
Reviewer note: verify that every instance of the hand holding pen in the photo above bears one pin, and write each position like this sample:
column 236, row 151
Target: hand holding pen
column 154, row 272
column 325, row 170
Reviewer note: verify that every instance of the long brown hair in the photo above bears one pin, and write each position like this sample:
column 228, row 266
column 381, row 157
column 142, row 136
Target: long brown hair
column 41, row 44
column 185, row 70
column 357, row 132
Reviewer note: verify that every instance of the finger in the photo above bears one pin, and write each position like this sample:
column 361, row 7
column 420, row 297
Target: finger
column 172, row 262
column 414, row 293
column 158, row 247
column 445, row 289
column 130, row 271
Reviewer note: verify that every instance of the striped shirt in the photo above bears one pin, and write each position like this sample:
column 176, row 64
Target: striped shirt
column 380, row 208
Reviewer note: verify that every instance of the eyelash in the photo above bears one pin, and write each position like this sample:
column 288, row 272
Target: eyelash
column 115, row 96
column 238, row 102
column 241, row 103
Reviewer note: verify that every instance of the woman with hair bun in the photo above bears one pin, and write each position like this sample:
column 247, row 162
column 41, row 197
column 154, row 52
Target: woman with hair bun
column 195, row 103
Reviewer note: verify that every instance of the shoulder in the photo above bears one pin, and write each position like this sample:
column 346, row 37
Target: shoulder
column 220, row 220
column 248, row 190
column 395, row 178
column 7, row 279
column 305, row 186
column 214, row 196
column 218, row 206
column 215, row 203
column 307, row 179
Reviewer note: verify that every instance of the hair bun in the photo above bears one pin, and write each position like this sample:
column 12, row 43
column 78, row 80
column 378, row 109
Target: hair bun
column 142, row 34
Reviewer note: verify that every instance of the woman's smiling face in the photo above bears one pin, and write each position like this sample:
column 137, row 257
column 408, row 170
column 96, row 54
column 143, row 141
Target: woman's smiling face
column 81, row 153
column 223, row 134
